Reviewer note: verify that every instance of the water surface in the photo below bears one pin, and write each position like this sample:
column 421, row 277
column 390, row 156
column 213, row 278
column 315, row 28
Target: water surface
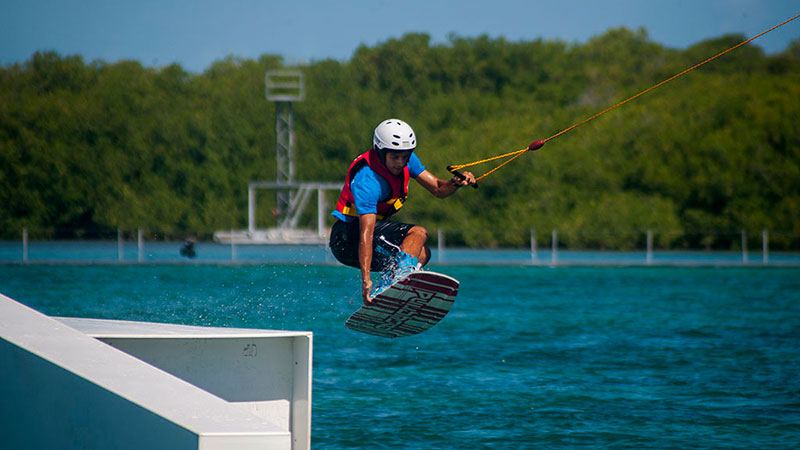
column 529, row 357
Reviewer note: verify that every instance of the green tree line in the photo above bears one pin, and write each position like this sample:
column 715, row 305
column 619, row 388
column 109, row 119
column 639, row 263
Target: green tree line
column 86, row 147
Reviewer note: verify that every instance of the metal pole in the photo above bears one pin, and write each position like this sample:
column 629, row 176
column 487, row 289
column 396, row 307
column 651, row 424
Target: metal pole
column 140, row 244
column 533, row 246
column 119, row 245
column 320, row 212
column 744, row 247
column 765, row 246
column 25, row 245
column 649, row 247
column 291, row 144
column 440, row 245
column 233, row 247
column 285, row 154
column 251, row 209
column 554, row 252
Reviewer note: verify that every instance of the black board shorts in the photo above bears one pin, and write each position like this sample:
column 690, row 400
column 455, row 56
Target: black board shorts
column 345, row 237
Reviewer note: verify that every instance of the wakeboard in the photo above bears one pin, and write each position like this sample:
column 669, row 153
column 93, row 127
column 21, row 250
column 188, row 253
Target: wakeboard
column 409, row 306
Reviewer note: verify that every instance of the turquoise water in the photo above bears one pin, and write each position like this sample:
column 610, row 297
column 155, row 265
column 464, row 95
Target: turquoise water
column 530, row 356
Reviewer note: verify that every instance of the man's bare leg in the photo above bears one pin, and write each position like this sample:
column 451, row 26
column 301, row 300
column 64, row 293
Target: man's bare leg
column 415, row 244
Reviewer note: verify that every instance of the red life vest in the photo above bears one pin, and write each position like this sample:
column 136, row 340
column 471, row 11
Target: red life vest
column 399, row 185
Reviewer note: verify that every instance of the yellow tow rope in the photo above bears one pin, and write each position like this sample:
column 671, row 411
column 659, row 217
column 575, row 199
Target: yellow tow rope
column 535, row 145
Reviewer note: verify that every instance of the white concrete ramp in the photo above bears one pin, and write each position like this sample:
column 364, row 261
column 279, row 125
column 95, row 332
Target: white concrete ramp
column 100, row 384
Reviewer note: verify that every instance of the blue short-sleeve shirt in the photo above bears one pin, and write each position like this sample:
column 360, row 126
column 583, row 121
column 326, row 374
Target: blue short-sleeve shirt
column 369, row 188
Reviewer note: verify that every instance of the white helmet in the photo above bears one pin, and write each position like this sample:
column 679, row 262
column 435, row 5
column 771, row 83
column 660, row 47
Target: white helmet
column 394, row 134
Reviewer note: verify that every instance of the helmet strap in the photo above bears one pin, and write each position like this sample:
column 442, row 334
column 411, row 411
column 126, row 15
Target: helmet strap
column 381, row 154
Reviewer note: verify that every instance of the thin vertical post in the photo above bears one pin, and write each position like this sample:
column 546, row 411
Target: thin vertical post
column 119, row 245
column 765, row 246
column 251, row 208
column 233, row 247
column 25, row 245
column 320, row 212
column 285, row 153
column 440, row 245
column 649, row 247
column 533, row 246
column 744, row 247
column 140, row 244
column 554, row 252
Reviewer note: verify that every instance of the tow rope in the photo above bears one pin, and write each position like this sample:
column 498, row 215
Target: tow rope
column 535, row 145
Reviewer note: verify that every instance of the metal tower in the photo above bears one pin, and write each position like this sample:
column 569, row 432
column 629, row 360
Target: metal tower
column 284, row 87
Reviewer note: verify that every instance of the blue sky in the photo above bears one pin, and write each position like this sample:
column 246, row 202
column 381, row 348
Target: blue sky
column 194, row 33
